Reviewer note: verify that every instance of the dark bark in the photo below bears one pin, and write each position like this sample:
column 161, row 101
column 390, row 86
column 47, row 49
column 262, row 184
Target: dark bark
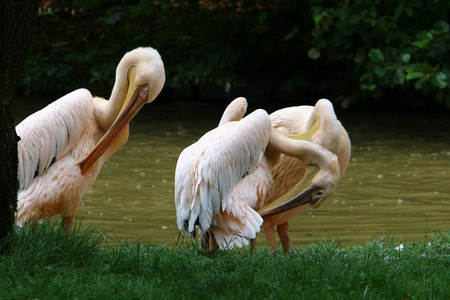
column 17, row 19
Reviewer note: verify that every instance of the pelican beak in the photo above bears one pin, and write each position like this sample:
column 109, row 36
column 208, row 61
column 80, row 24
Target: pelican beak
column 304, row 198
column 136, row 98
column 301, row 194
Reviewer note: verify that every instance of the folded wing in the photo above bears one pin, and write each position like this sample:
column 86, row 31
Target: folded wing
column 208, row 171
column 50, row 133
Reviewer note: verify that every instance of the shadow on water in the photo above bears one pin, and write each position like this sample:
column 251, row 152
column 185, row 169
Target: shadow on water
column 398, row 180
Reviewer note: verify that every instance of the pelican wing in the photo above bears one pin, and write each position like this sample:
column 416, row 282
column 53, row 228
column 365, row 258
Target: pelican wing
column 50, row 133
column 208, row 170
column 234, row 111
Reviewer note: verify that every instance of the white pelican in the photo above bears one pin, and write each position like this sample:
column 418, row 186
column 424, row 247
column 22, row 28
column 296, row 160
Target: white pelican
column 226, row 176
column 63, row 146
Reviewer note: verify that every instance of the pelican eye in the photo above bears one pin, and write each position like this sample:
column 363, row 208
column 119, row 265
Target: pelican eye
column 319, row 193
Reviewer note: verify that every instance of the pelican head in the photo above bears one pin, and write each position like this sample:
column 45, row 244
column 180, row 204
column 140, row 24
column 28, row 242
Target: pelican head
column 321, row 175
column 140, row 78
column 142, row 69
column 325, row 182
column 317, row 185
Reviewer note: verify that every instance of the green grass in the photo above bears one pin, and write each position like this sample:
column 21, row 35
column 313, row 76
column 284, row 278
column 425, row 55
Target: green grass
column 47, row 263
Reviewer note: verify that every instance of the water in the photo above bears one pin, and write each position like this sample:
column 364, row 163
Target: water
column 398, row 180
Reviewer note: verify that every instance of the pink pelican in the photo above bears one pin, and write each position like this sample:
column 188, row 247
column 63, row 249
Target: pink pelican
column 324, row 129
column 63, row 146
column 245, row 165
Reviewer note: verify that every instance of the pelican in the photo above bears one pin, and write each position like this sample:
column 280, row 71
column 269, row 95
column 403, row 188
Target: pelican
column 289, row 171
column 228, row 174
column 63, row 146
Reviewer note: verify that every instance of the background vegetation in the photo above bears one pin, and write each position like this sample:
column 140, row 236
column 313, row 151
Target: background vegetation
column 349, row 51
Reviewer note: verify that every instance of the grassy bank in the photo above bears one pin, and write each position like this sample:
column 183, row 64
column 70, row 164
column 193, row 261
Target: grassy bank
column 48, row 264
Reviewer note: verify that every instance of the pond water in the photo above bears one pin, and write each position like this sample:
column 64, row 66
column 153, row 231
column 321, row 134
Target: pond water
column 398, row 179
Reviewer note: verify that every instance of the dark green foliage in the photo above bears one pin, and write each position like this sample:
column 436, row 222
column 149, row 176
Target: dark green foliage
column 399, row 45
column 48, row 263
column 301, row 49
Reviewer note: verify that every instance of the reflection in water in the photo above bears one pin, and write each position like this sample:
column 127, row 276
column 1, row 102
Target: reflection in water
column 398, row 180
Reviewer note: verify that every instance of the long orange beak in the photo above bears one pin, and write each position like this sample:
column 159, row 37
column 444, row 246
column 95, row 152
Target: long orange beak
column 132, row 105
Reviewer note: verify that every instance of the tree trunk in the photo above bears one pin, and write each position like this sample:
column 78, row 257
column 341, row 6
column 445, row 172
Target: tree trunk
column 17, row 18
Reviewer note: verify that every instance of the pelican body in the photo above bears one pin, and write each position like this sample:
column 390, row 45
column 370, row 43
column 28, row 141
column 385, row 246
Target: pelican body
column 63, row 146
column 249, row 165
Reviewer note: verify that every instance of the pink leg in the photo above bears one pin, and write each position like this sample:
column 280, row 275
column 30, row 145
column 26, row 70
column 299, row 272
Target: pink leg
column 208, row 242
column 284, row 237
column 68, row 223
column 252, row 246
column 270, row 237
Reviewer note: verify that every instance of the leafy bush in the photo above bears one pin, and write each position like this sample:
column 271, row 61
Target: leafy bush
column 394, row 45
column 341, row 50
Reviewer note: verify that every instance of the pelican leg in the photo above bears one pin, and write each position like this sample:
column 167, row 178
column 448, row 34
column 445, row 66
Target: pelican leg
column 204, row 241
column 284, row 237
column 270, row 238
column 208, row 242
column 252, row 246
column 67, row 222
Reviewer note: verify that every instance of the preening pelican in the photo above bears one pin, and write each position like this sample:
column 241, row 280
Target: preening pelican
column 63, row 146
column 224, row 178
column 289, row 171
